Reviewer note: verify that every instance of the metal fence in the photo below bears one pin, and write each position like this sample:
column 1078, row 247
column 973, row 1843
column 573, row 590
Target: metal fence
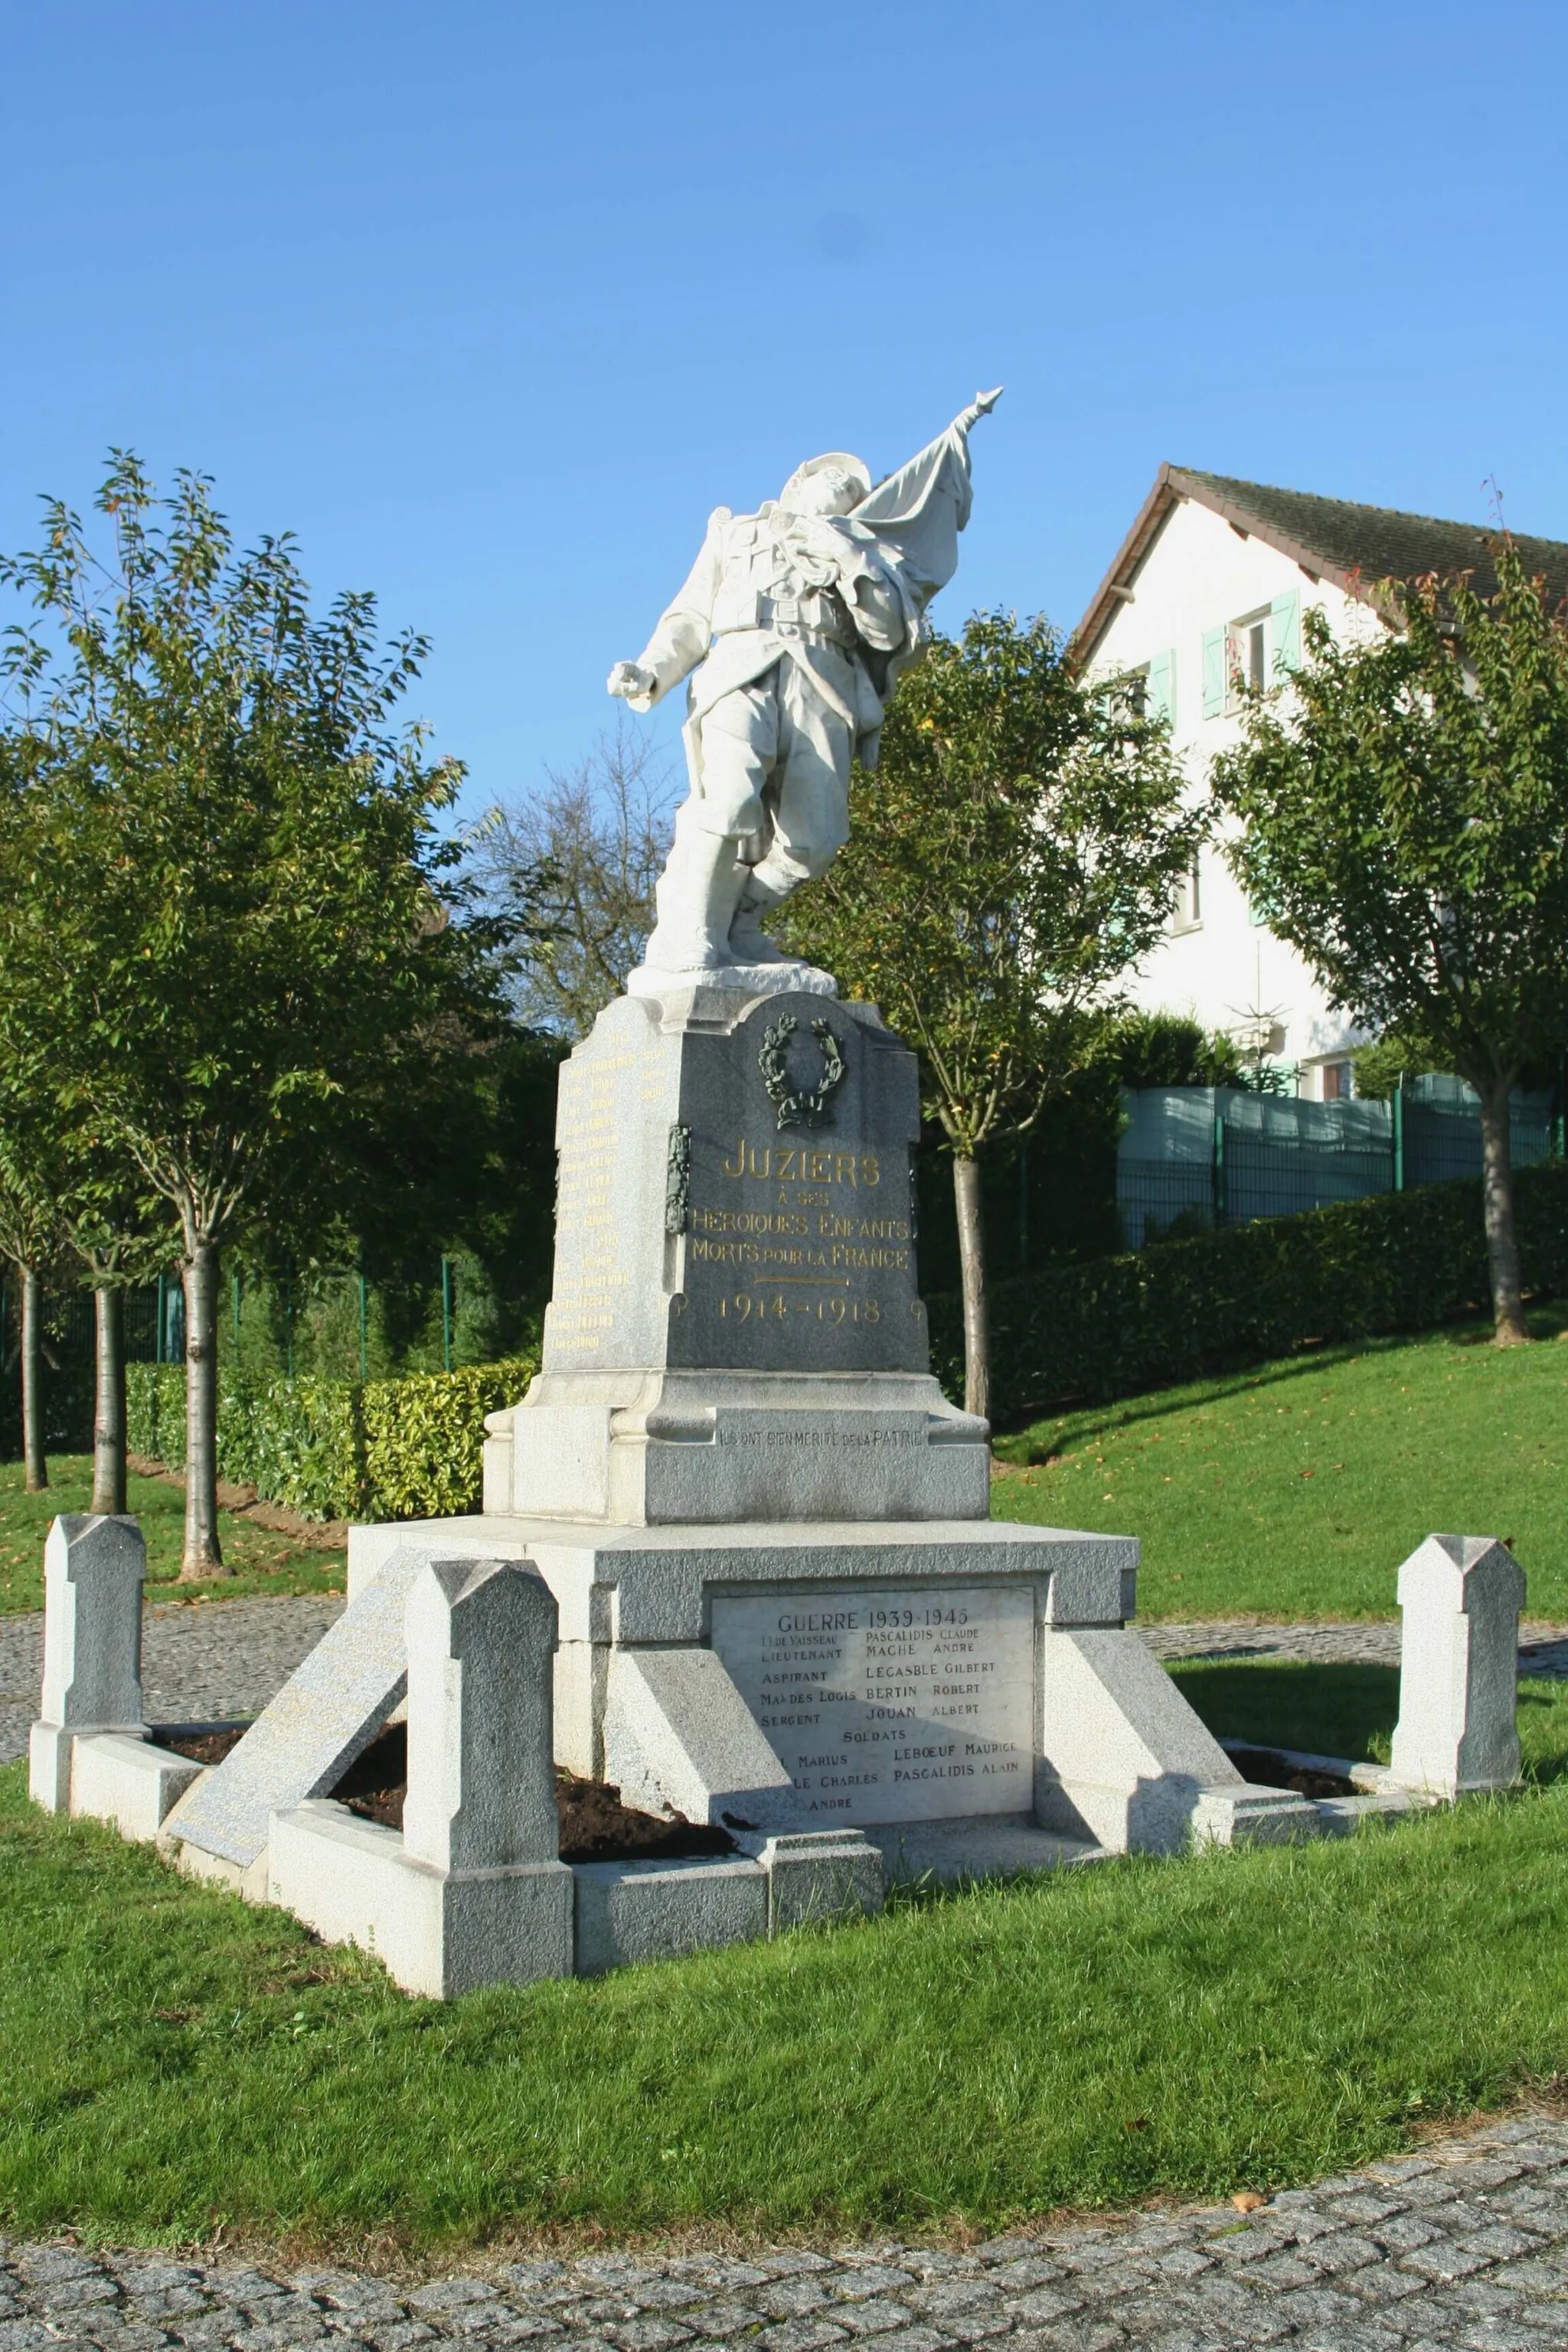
column 1194, row 1158
column 319, row 1321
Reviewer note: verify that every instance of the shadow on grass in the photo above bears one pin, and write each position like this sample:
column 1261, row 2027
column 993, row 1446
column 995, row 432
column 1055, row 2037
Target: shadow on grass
column 1347, row 1710
column 1015, row 1443
column 1543, row 1730
column 1327, row 1710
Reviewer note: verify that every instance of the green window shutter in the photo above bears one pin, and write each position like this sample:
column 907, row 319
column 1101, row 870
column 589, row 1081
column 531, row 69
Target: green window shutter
column 1161, row 701
column 1286, row 613
column 1214, row 672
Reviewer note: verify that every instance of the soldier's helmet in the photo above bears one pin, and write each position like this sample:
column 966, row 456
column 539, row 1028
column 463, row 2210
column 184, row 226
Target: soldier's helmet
column 851, row 473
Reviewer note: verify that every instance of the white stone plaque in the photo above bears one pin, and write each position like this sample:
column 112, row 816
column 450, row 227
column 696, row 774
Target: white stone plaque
column 893, row 1703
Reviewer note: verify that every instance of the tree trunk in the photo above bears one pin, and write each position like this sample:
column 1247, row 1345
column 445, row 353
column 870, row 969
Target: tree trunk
column 109, row 1407
column 38, row 1468
column 1496, row 1194
column 972, row 1258
column 203, row 1555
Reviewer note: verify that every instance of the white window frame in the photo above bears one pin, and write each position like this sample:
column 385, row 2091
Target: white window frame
column 1131, row 685
column 1239, row 682
column 1187, row 902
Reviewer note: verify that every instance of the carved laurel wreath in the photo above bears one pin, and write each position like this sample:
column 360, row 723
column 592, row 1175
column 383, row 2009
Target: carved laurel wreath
column 809, row 1109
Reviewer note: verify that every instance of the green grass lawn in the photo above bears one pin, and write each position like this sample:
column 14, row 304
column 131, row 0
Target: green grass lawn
column 174, row 2060
column 263, row 1562
column 1296, row 1489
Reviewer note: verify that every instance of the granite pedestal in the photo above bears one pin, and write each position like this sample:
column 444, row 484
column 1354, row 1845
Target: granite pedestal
column 780, row 1606
column 735, row 1332
column 782, row 1603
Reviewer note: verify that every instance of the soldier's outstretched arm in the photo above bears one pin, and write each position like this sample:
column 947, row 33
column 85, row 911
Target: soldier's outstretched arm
column 684, row 630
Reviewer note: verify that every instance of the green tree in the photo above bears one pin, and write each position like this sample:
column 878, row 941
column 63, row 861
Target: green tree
column 30, row 1240
column 65, row 1192
column 572, row 870
column 1012, row 855
column 1386, row 1060
column 68, row 1197
column 226, row 894
column 1403, row 807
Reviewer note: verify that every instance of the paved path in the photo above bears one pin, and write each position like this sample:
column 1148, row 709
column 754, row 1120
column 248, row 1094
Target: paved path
column 1464, row 2247
column 206, row 1662
column 224, row 1658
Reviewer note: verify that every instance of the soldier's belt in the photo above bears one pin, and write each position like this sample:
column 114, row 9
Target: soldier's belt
column 807, row 616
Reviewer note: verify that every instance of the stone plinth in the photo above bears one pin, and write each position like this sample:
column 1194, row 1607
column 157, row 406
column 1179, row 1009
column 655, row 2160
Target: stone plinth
column 656, row 1592
column 1123, row 1758
column 131, row 1783
column 1461, row 1598
column 736, row 1331
column 788, row 1678
column 439, row 1933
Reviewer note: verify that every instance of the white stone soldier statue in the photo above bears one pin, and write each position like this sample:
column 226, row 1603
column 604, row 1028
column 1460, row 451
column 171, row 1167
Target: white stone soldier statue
column 797, row 622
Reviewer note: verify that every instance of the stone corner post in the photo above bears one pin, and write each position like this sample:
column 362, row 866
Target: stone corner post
column 481, row 1790
column 1460, row 1597
column 94, row 1569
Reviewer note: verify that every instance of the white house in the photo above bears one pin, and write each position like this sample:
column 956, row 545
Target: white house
column 1209, row 586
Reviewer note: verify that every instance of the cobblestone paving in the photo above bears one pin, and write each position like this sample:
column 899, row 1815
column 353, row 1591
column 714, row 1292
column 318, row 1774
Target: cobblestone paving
column 1464, row 2248
column 206, row 1662
column 227, row 1658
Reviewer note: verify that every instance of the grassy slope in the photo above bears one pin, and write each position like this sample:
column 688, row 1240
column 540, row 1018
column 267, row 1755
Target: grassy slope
column 175, row 2059
column 263, row 1562
column 1296, row 1490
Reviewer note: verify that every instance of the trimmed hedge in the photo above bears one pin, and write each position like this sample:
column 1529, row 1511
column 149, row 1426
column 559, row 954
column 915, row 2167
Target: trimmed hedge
column 1177, row 1310
column 404, row 1449
column 423, row 1437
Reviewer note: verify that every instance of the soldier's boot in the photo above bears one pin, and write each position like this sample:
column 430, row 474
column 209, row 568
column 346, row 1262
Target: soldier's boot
column 746, row 937
column 697, row 895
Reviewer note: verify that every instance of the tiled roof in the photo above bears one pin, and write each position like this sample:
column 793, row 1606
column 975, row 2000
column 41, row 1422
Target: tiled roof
column 1382, row 542
column 1356, row 547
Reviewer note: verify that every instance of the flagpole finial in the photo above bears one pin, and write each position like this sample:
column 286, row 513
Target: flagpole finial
column 982, row 405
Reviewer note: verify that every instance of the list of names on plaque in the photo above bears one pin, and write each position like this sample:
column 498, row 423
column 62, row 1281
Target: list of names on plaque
column 903, row 1703
column 590, row 1272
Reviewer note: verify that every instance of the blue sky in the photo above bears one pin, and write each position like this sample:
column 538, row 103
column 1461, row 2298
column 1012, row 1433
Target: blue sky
column 491, row 304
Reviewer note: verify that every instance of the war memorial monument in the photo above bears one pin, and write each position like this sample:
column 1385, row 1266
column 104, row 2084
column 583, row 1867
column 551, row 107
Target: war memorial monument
column 734, row 1556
